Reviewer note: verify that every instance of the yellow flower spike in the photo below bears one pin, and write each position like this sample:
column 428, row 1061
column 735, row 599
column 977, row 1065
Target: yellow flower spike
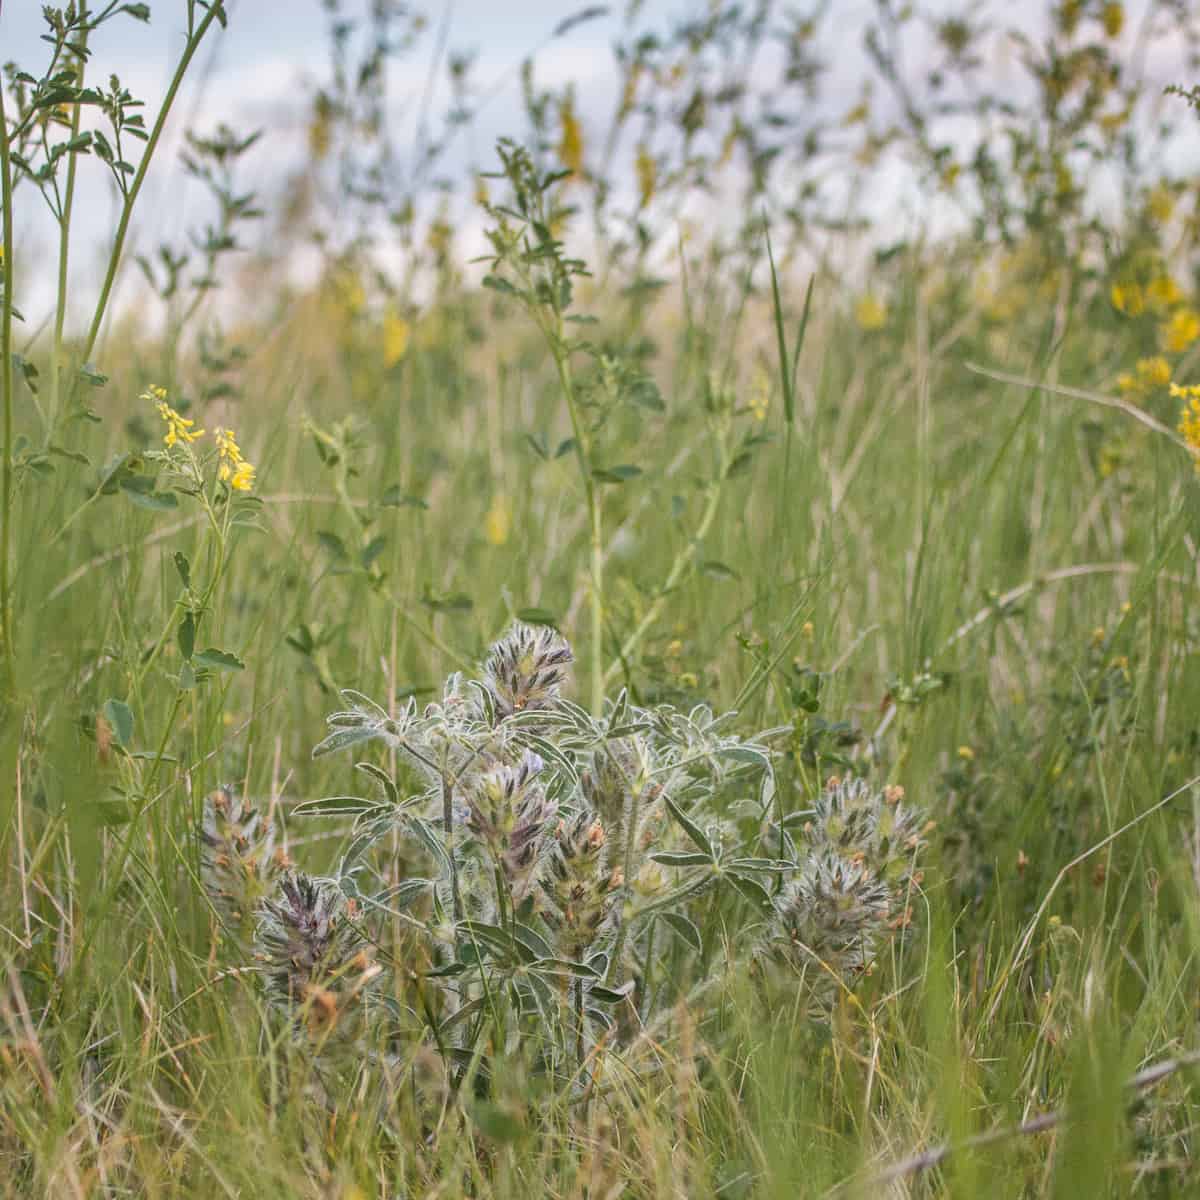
column 232, row 468
column 1181, row 330
column 1189, row 418
column 1113, row 18
column 1161, row 204
column 870, row 313
column 1128, row 298
column 1163, row 293
column 395, row 338
column 647, row 175
column 570, row 146
column 179, row 428
column 497, row 525
column 243, row 478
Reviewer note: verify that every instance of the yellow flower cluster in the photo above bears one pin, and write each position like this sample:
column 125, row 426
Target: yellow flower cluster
column 870, row 313
column 760, row 393
column 1189, row 418
column 1128, row 298
column 570, row 145
column 395, row 338
column 497, row 524
column 233, row 468
column 1181, row 330
column 179, row 428
column 1151, row 373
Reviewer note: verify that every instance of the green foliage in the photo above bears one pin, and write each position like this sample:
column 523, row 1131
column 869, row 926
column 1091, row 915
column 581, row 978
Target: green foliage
column 910, row 502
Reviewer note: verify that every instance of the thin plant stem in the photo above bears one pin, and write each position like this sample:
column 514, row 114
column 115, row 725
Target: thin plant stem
column 682, row 562
column 6, row 400
column 64, row 245
column 594, row 510
column 139, row 178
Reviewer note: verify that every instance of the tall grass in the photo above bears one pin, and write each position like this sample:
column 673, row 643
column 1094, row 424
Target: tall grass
column 899, row 520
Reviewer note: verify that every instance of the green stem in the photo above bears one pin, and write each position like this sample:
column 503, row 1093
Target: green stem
column 140, row 176
column 64, row 245
column 682, row 562
column 448, row 834
column 595, row 513
column 6, row 399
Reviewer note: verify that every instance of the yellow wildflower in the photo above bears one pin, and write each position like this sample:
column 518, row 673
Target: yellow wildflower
column 232, row 468
column 966, row 753
column 870, row 313
column 1113, row 18
column 647, row 175
column 395, row 338
column 570, row 144
column 1128, row 298
column 179, row 428
column 1161, row 203
column 438, row 237
column 497, row 525
column 1181, row 330
column 1151, row 373
column 1189, row 418
column 1163, row 293
column 351, row 292
column 760, row 394
column 1111, row 122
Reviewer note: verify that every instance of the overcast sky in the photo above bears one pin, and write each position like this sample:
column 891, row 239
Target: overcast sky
column 262, row 71
column 255, row 75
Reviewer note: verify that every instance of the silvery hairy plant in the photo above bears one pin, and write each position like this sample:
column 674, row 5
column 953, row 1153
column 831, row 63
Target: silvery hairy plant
column 566, row 858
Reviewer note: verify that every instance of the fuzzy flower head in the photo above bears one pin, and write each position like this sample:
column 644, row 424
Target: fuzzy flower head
column 828, row 924
column 508, row 811
column 232, row 468
column 238, row 859
column 526, row 668
column 317, row 969
column 577, row 882
column 873, row 828
column 179, row 428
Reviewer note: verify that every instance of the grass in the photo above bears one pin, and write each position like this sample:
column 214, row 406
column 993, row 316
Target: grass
column 922, row 551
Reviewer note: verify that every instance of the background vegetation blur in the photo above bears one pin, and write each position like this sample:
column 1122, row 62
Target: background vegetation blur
column 856, row 392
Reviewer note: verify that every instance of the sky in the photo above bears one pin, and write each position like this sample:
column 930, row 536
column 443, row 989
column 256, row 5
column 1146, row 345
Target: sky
column 263, row 70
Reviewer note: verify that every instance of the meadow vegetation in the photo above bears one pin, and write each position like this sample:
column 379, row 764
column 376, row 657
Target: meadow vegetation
column 681, row 705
